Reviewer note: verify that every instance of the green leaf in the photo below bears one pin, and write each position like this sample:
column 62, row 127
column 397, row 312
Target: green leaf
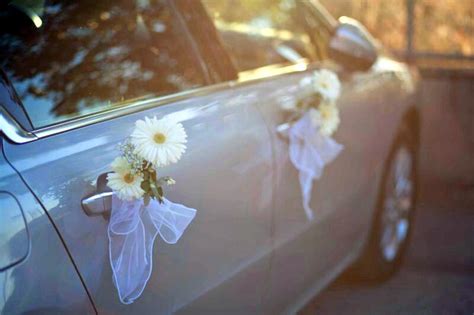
column 160, row 192
column 145, row 185
column 157, row 191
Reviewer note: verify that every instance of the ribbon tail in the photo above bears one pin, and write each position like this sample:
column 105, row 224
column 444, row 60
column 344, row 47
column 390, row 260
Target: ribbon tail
column 327, row 148
column 170, row 219
column 309, row 153
column 130, row 252
column 306, row 184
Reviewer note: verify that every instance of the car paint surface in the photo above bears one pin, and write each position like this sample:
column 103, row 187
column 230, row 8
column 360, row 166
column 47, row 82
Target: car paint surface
column 230, row 237
column 45, row 281
column 251, row 249
column 343, row 200
column 248, row 250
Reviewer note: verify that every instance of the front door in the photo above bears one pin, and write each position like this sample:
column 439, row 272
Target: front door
column 95, row 69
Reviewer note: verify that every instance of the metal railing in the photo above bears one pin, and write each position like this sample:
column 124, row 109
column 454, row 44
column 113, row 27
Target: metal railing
column 413, row 56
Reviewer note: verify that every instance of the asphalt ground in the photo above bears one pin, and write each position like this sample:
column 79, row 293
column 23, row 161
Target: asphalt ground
column 437, row 276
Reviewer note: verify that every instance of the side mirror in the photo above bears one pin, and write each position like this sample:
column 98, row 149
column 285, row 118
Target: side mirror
column 352, row 46
column 14, row 238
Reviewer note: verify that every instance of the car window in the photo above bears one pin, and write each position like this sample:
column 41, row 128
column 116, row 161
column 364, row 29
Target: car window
column 208, row 41
column 318, row 30
column 259, row 33
column 72, row 58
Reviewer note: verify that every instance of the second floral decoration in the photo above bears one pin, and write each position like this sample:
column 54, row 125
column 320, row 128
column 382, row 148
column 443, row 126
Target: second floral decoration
column 313, row 120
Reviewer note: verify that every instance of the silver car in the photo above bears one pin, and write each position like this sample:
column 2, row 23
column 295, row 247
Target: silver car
column 77, row 75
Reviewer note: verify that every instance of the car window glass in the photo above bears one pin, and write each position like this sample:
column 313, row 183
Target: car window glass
column 73, row 58
column 208, row 41
column 319, row 33
column 259, row 33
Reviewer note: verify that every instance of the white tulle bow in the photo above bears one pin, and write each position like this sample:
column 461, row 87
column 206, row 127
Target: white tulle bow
column 132, row 230
column 309, row 152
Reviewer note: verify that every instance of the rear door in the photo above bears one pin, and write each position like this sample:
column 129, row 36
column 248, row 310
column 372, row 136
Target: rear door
column 293, row 44
column 311, row 253
column 85, row 76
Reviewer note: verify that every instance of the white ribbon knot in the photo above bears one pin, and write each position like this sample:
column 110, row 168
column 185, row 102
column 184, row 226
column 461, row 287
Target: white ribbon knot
column 310, row 152
column 132, row 230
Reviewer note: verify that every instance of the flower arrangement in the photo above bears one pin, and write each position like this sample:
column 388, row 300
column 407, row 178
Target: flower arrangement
column 314, row 119
column 153, row 143
column 140, row 212
column 320, row 93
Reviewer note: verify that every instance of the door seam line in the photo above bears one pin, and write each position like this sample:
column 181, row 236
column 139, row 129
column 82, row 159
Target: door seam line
column 55, row 228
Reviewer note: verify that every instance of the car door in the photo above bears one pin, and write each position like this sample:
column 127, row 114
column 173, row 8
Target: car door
column 127, row 61
column 37, row 275
column 310, row 253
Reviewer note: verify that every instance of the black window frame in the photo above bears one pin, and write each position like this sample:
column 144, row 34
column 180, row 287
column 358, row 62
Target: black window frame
column 207, row 38
column 12, row 103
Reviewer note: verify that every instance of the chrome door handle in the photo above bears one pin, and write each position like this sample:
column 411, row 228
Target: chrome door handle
column 99, row 203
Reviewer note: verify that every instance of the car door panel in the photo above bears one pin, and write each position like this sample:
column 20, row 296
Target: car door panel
column 45, row 281
column 226, row 174
column 342, row 200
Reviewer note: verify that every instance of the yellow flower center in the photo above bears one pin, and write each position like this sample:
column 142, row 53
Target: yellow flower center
column 324, row 85
column 159, row 138
column 128, row 178
column 325, row 113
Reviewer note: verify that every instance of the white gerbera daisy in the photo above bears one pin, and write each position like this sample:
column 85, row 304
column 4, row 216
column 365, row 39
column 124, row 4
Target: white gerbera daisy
column 120, row 165
column 329, row 118
column 315, row 117
column 123, row 182
column 306, row 87
column 327, row 84
column 159, row 142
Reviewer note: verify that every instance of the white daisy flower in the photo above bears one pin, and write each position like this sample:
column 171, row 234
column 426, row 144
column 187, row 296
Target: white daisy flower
column 327, row 84
column 326, row 117
column 159, row 142
column 315, row 117
column 123, row 182
column 306, row 87
column 120, row 165
column 329, row 118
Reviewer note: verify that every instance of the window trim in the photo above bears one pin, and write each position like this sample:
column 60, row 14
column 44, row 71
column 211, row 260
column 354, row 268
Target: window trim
column 12, row 129
column 18, row 135
column 13, row 104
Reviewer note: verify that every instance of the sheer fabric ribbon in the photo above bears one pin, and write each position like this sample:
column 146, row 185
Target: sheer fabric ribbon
column 309, row 152
column 132, row 230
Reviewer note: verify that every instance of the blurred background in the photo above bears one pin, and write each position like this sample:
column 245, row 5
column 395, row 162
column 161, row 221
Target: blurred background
column 438, row 274
column 438, row 37
column 434, row 32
